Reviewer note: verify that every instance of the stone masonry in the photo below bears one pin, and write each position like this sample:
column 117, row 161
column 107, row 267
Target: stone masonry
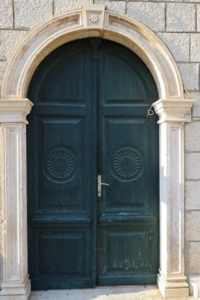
column 177, row 24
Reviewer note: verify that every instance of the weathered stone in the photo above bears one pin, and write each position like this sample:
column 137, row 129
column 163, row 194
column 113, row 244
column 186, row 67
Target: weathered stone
column 192, row 136
column 61, row 6
column 192, row 165
column 180, row 17
column 195, row 46
column 178, row 44
column 190, row 75
column 150, row 14
column 6, row 9
column 192, row 226
column 192, row 192
column 119, row 6
column 193, row 255
column 29, row 13
column 8, row 41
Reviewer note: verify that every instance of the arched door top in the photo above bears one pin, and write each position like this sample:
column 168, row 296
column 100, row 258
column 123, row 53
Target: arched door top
column 92, row 21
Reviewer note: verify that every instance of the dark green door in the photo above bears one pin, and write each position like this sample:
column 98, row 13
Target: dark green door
column 90, row 118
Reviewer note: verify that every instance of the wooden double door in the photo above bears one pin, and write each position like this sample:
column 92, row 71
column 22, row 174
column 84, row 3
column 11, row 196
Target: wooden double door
column 92, row 169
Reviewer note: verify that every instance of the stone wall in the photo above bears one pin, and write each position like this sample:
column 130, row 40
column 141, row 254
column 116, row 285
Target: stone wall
column 177, row 23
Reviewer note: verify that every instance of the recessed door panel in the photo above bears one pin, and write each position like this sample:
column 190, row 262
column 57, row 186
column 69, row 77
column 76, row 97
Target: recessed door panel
column 61, row 156
column 70, row 245
column 117, row 68
column 127, row 253
column 71, row 70
column 92, row 169
column 123, row 163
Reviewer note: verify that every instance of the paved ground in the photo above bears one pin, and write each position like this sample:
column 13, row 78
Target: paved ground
column 103, row 293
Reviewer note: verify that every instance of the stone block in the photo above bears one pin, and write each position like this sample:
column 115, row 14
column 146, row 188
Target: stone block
column 192, row 195
column 190, row 75
column 198, row 16
column 196, row 105
column 119, row 6
column 192, row 165
column 178, row 44
column 2, row 70
column 180, row 17
column 61, row 6
column 6, row 9
column 150, row 14
column 195, row 46
column 192, row 255
column 192, row 225
column 192, row 136
column 194, row 284
column 8, row 41
column 29, row 13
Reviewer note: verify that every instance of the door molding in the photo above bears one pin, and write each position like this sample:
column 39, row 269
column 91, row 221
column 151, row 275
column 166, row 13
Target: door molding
column 173, row 110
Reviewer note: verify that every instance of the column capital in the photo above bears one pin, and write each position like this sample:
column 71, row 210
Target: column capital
column 14, row 110
column 173, row 110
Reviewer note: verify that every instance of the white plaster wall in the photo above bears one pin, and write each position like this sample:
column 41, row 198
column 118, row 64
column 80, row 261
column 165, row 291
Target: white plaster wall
column 177, row 23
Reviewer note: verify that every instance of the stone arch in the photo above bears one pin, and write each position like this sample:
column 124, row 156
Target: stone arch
column 173, row 110
column 78, row 24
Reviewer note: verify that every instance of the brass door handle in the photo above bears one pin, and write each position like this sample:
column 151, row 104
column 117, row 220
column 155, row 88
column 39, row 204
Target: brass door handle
column 100, row 184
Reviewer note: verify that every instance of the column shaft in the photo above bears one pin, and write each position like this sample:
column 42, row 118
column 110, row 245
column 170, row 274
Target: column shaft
column 15, row 284
column 171, row 279
column 173, row 113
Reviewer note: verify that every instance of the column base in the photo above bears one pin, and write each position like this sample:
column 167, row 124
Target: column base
column 173, row 286
column 15, row 291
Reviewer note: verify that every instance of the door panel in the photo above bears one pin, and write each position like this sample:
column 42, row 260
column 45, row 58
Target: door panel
column 122, row 149
column 127, row 254
column 71, row 69
column 89, row 118
column 60, row 167
column 61, row 185
column 114, row 70
column 128, row 209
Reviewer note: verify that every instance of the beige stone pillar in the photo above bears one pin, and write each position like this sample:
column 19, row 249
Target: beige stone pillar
column 15, row 284
column 172, row 116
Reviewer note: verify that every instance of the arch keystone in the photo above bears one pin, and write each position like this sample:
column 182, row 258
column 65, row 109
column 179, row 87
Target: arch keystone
column 94, row 15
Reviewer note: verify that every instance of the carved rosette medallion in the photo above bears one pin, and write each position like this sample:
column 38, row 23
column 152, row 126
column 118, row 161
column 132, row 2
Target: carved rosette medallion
column 127, row 163
column 61, row 164
column 94, row 18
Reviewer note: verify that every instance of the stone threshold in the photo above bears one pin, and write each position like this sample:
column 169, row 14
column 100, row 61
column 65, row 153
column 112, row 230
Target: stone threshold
column 138, row 292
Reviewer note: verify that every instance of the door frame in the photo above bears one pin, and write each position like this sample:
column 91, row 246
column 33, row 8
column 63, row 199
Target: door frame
column 173, row 111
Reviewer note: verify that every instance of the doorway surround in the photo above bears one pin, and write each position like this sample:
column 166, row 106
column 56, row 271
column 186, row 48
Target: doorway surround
column 173, row 111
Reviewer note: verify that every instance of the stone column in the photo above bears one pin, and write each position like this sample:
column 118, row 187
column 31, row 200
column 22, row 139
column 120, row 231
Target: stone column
column 172, row 116
column 15, row 284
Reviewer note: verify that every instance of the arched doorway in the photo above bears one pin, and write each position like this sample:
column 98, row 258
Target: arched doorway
column 172, row 108
column 89, row 126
